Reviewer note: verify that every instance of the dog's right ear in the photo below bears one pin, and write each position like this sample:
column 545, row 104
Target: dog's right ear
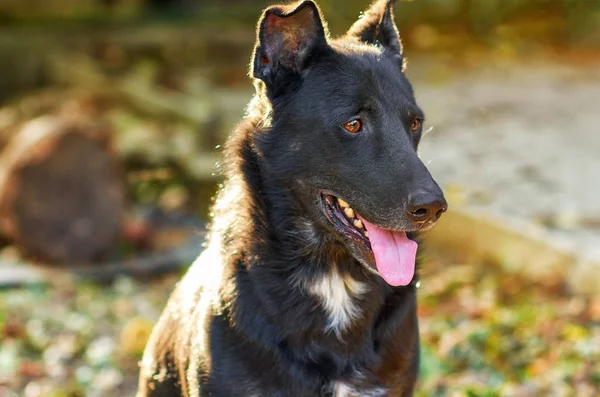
column 377, row 26
column 288, row 36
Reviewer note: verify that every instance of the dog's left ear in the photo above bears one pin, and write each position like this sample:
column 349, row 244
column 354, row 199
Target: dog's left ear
column 377, row 26
column 288, row 36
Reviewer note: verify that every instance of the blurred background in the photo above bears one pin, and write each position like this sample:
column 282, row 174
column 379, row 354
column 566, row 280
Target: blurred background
column 112, row 117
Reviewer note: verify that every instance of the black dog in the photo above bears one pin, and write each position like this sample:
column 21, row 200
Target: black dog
column 307, row 286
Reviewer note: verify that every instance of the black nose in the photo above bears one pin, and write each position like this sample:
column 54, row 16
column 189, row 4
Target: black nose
column 423, row 207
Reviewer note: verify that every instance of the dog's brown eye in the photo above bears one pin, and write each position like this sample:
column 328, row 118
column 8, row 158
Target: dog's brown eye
column 353, row 126
column 416, row 124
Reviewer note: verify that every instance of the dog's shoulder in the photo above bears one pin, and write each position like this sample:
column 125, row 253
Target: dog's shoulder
column 178, row 330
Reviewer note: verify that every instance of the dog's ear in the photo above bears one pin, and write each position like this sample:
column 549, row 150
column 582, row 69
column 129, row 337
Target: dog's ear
column 377, row 26
column 288, row 36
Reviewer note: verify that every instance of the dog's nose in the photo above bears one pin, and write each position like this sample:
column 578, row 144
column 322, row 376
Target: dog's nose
column 423, row 207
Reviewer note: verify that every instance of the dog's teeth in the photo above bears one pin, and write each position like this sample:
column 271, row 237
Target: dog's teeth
column 349, row 212
column 342, row 203
column 366, row 234
column 358, row 224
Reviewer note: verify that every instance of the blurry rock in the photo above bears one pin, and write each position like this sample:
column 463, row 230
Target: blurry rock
column 61, row 189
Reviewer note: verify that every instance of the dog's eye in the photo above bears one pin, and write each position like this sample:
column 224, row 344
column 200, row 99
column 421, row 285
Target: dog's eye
column 353, row 126
column 416, row 124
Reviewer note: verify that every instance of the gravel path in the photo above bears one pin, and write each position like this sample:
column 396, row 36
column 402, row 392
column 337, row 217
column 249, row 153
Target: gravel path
column 519, row 141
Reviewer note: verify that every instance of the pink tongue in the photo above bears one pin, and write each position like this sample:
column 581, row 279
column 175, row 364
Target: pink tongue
column 395, row 254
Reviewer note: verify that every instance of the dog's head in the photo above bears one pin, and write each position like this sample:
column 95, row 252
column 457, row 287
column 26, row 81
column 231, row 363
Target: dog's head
column 344, row 132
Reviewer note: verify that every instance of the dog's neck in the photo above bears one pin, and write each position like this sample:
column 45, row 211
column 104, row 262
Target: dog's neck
column 279, row 257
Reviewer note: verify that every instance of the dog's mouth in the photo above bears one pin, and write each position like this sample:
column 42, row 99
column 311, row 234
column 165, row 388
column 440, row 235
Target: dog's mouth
column 346, row 220
column 388, row 253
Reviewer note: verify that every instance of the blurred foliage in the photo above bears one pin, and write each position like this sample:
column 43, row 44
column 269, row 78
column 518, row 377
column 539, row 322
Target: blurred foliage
column 484, row 334
column 33, row 33
column 557, row 20
column 487, row 333
column 76, row 339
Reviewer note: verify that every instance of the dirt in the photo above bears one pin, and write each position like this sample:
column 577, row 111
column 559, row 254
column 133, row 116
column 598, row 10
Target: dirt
column 518, row 140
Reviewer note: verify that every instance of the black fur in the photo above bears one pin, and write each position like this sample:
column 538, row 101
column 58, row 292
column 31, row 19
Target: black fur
column 243, row 322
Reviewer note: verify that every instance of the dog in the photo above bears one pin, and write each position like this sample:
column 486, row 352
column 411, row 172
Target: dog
column 307, row 285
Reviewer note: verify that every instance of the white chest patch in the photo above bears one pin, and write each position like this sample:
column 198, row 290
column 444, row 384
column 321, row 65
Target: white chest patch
column 337, row 295
column 344, row 390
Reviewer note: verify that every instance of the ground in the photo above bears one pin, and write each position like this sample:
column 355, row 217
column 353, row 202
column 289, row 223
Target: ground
column 518, row 139
column 484, row 333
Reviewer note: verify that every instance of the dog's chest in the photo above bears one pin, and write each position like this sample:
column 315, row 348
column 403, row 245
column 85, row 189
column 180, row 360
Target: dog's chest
column 338, row 295
column 342, row 389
